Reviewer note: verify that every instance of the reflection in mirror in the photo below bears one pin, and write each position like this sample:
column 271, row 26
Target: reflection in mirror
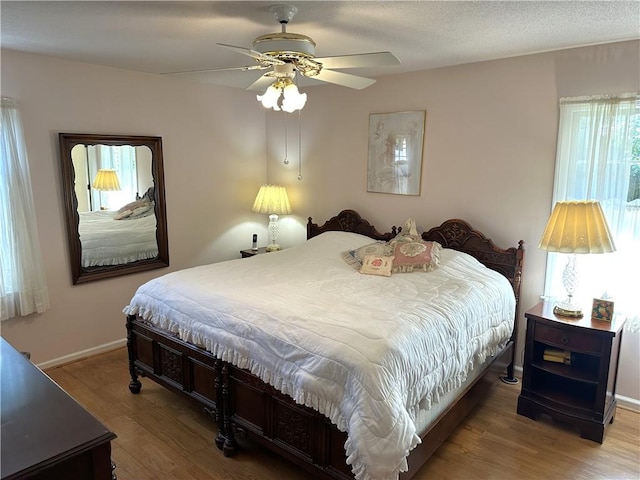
column 114, row 194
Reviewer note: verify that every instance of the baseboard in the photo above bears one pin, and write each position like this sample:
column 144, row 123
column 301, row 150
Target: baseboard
column 628, row 403
column 107, row 347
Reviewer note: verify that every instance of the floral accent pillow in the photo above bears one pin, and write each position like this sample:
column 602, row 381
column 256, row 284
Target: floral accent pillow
column 377, row 265
column 415, row 256
column 356, row 257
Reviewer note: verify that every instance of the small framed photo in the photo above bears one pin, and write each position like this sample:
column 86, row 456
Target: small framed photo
column 602, row 310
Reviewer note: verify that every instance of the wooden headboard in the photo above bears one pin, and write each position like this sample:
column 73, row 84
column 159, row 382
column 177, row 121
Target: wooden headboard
column 348, row 221
column 455, row 233
column 459, row 235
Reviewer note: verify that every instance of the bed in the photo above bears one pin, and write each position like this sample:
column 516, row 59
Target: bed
column 107, row 240
column 326, row 370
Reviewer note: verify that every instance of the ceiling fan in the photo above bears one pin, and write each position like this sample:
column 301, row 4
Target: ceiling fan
column 284, row 54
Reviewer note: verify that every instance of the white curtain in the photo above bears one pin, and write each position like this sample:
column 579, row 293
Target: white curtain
column 23, row 286
column 598, row 158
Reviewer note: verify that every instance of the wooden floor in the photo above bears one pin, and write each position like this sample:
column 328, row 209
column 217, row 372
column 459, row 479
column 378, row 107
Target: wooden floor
column 163, row 436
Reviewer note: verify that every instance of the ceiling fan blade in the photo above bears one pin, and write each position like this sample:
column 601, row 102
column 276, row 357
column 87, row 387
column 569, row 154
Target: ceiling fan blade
column 261, row 57
column 210, row 70
column 262, row 83
column 376, row 59
column 344, row 79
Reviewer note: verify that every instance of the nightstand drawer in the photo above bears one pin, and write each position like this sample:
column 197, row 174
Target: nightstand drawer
column 571, row 339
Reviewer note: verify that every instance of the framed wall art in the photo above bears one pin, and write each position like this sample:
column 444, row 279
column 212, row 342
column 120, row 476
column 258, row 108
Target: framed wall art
column 395, row 152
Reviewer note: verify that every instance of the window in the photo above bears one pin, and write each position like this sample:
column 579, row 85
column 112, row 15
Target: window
column 400, row 149
column 598, row 158
column 23, row 288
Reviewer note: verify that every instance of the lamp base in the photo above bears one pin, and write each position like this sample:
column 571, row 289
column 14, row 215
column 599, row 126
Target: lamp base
column 567, row 310
column 273, row 247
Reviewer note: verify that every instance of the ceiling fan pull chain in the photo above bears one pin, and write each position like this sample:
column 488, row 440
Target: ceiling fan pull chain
column 299, row 145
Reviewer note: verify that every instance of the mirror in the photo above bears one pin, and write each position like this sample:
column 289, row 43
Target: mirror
column 113, row 189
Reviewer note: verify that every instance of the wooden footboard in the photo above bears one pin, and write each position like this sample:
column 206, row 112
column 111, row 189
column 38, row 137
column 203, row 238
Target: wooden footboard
column 177, row 365
column 243, row 405
column 257, row 411
column 309, row 439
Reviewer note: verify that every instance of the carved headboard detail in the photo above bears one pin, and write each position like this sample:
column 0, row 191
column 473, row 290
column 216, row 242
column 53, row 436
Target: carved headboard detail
column 459, row 235
column 348, row 221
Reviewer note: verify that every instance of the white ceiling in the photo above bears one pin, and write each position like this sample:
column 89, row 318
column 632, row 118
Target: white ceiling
column 163, row 36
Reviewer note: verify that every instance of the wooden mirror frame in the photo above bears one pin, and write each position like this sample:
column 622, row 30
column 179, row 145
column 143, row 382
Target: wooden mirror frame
column 80, row 274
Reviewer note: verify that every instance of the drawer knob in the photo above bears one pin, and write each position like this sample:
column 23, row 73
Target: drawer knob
column 564, row 339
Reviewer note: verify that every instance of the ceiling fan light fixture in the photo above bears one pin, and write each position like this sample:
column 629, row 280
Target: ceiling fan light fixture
column 293, row 100
column 270, row 98
column 284, row 86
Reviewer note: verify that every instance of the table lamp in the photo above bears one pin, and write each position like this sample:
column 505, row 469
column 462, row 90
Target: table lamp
column 575, row 227
column 272, row 200
column 106, row 180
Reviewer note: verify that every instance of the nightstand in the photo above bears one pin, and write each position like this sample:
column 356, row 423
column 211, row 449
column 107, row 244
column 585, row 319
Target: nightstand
column 250, row 253
column 581, row 389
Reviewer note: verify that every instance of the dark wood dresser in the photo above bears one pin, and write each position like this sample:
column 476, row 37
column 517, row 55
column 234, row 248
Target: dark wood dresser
column 46, row 434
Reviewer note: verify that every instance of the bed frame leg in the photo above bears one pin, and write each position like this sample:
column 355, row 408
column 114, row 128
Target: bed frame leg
column 230, row 447
column 135, row 385
column 510, row 378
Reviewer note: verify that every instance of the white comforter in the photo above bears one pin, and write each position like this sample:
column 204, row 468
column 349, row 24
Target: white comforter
column 366, row 351
column 106, row 241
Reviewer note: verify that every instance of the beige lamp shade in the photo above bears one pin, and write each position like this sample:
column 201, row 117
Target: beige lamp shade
column 106, row 180
column 577, row 227
column 272, row 199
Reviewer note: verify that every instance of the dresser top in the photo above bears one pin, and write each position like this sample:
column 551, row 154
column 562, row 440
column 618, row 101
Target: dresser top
column 41, row 423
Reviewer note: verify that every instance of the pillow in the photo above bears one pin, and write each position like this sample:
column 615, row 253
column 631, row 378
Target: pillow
column 133, row 205
column 120, row 215
column 377, row 265
column 144, row 211
column 149, row 195
column 415, row 256
column 356, row 257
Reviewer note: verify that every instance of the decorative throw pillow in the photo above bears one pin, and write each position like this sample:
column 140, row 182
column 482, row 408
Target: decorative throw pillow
column 133, row 205
column 377, row 265
column 356, row 257
column 140, row 212
column 122, row 214
column 416, row 256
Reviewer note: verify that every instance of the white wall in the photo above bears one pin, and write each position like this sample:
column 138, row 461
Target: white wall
column 489, row 158
column 214, row 160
